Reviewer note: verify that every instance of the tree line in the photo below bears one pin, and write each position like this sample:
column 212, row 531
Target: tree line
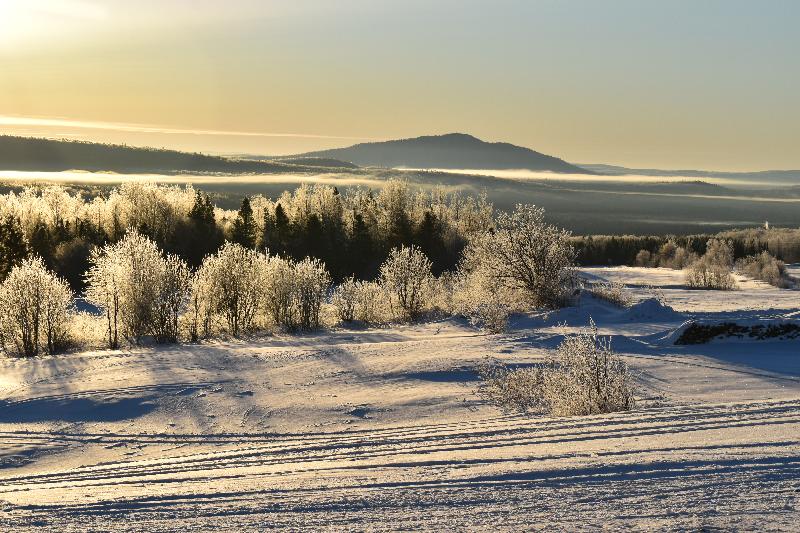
column 782, row 243
column 164, row 263
column 352, row 233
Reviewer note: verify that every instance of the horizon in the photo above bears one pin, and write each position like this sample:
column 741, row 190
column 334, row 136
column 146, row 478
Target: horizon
column 708, row 86
column 485, row 172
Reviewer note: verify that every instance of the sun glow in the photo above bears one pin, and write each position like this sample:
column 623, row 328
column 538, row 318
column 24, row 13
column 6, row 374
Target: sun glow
column 36, row 20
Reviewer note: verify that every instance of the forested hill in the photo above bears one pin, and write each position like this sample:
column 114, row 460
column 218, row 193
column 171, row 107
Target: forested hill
column 35, row 154
column 451, row 151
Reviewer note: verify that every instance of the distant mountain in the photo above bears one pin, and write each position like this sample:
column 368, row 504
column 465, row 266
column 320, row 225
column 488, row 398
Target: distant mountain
column 450, row 151
column 35, row 154
column 783, row 176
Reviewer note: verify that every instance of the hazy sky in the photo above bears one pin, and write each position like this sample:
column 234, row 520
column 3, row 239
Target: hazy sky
column 679, row 83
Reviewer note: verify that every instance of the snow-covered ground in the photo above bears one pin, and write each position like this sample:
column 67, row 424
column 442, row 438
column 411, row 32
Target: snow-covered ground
column 381, row 429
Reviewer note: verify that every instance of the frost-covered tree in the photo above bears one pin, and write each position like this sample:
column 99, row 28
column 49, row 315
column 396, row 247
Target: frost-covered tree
column 714, row 269
column 279, row 287
column 35, row 306
column 312, row 283
column 232, row 282
column 174, row 290
column 406, row 276
column 526, row 254
column 345, row 299
column 293, row 292
column 766, row 268
column 141, row 291
column 104, row 281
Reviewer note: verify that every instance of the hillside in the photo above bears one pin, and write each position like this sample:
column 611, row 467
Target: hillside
column 453, row 150
column 766, row 176
column 343, row 428
column 35, row 154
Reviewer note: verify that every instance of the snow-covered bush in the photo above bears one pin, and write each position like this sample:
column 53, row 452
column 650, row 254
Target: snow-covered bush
column 345, row 300
column 766, row 268
column 613, row 292
column 201, row 304
column 35, row 307
column 371, row 303
column 312, row 283
column 174, row 291
column 407, row 279
column 714, row 269
column 484, row 302
column 279, row 289
column 644, row 259
column 229, row 284
column 363, row 301
column 669, row 255
column 585, row 377
column 526, row 255
column 141, row 291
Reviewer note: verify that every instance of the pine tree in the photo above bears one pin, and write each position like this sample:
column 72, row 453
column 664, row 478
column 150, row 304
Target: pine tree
column 313, row 243
column 279, row 239
column 361, row 249
column 428, row 236
column 42, row 243
column 13, row 245
column 244, row 229
column 202, row 212
column 204, row 237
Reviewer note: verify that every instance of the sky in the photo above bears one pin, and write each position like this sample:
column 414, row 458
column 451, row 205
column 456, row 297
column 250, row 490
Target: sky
column 712, row 84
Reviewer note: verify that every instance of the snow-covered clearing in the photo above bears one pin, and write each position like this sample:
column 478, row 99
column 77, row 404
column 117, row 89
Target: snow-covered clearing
column 381, row 429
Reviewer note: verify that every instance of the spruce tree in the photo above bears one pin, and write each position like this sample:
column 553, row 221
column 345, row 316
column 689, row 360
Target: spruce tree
column 42, row 243
column 244, row 229
column 13, row 245
column 428, row 236
column 204, row 236
column 281, row 235
column 361, row 249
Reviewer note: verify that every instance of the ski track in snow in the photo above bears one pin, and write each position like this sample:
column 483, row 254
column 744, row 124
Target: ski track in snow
column 381, row 430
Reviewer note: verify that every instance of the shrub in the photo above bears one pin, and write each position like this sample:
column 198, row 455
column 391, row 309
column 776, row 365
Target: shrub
column 766, row 268
column 345, row 299
column 174, row 290
column 35, row 306
column 371, row 305
column 279, row 287
column 644, row 259
column 527, row 255
column 612, row 292
column 585, row 377
column 669, row 255
column 231, row 284
column 485, row 303
column 139, row 289
column 713, row 270
column 312, row 283
column 406, row 277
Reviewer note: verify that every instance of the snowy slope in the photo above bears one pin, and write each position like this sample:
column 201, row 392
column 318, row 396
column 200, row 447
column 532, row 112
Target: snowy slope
column 381, row 429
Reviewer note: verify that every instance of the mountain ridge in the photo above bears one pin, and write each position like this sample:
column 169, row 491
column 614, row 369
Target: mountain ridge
column 447, row 151
column 51, row 155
